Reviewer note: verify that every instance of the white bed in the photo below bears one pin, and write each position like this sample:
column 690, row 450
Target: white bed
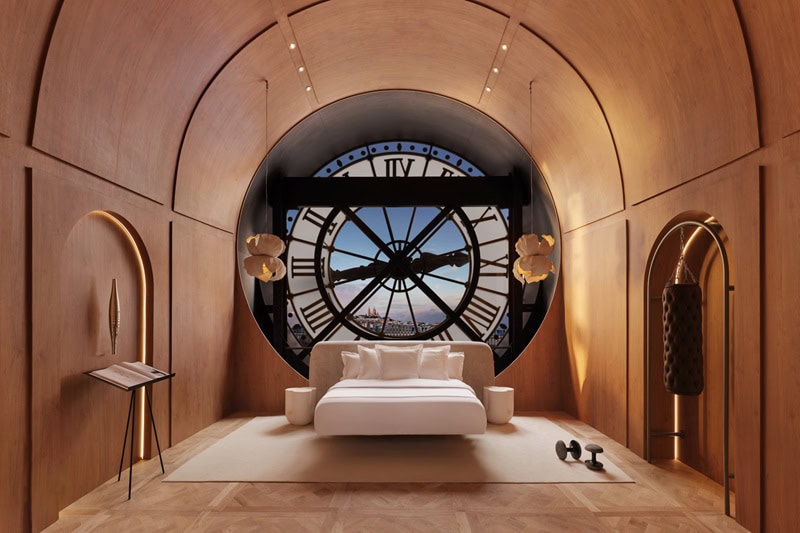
column 399, row 406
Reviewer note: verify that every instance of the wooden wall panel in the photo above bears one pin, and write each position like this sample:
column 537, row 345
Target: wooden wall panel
column 666, row 74
column 14, row 346
column 24, row 31
column 571, row 142
column 202, row 316
column 781, row 337
column 94, row 252
column 774, row 42
column 121, row 80
column 445, row 47
column 537, row 375
column 74, row 257
column 225, row 142
column 732, row 196
column 701, row 417
column 595, row 299
column 260, row 375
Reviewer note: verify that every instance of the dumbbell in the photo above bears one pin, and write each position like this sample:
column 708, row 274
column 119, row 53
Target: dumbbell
column 574, row 449
column 593, row 463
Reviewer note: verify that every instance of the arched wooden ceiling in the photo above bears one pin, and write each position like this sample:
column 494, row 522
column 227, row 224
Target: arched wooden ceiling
column 629, row 99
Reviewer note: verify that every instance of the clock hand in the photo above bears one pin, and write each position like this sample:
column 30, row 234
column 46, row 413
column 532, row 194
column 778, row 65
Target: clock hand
column 427, row 262
column 360, row 272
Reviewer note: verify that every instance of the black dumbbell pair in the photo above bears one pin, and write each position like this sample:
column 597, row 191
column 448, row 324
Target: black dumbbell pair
column 574, row 449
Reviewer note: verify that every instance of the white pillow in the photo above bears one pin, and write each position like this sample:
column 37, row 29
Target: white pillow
column 433, row 362
column 455, row 365
column 352, row 365
column 370, row 363
column 399, row 362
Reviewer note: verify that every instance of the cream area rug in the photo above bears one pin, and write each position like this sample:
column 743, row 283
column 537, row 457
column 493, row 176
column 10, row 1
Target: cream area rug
column 269, row 449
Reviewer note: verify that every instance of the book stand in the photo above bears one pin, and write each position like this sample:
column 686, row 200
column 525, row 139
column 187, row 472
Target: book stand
column 131, row 421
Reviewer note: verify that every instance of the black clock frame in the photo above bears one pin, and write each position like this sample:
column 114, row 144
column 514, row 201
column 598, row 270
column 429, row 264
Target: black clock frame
column 342, row 193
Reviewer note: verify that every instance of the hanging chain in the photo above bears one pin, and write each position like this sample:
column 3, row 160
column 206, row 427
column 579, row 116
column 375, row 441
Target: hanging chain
column 683, row 267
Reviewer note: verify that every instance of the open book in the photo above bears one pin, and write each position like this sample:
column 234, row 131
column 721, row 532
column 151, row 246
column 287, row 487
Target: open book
column 128, row 375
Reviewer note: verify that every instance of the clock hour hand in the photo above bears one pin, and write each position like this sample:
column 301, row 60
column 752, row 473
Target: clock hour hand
column 360, row 272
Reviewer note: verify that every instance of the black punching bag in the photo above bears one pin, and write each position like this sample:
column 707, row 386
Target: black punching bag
column 683, row 338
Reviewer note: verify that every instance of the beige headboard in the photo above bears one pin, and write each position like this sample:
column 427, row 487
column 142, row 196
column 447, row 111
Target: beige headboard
column 326, row 362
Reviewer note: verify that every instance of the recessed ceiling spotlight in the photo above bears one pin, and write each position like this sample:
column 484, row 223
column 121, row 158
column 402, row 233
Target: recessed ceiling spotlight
column 301, row 69
column 488, row 89
column 495, row 70
column 308, row 88
column 504, row 47
column 292, row 46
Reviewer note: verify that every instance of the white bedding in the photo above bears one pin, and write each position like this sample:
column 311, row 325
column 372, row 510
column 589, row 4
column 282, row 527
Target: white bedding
column 399, row 407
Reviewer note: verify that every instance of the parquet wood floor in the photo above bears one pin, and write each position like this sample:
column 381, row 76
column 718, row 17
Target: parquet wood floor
column 667, row 496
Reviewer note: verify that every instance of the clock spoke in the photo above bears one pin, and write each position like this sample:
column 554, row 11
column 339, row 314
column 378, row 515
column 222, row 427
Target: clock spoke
column 410, row 307
column 351, row 254
column 354, row 304
column 427, row 232
column 388, row 225
column 411, row 223
column 455, row 281
column 366, row 230
column 389, row 306
column 441, row 304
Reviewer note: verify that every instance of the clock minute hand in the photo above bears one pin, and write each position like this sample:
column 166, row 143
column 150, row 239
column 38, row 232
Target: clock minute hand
column 428, row 262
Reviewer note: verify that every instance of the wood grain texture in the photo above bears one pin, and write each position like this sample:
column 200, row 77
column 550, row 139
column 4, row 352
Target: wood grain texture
column 702, row 416
column 225, row 142
column 666, row 496
column 537, row 375
column 74, row 447
column 260, row 374
column 202, row 318
column 564, row 127
column 771, row 29
column 24, row 32
column 732, row 196
column 595, row 297
column 666, row 74
column 121, row 81
column 445, row 47
column 14, row 345
column 781, row 335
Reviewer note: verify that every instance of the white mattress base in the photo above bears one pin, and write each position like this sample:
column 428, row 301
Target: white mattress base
column 401, row 407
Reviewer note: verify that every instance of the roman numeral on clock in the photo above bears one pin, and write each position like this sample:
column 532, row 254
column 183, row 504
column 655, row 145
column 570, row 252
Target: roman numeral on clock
column 444, row 336
column 393, row 164
column 480, row 313
column 318, row 220
column 485, row 217
column 317, row 314
column 302, row 266
column 498, row 267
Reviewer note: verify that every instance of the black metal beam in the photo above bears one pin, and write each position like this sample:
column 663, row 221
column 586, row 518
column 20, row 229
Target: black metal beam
column 500, row 191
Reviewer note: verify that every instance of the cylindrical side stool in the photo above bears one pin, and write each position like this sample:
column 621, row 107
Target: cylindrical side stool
column 300, row 402
column 499, row 403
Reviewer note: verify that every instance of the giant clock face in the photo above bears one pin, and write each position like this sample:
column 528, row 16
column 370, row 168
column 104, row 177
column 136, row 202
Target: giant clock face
column 411, row 272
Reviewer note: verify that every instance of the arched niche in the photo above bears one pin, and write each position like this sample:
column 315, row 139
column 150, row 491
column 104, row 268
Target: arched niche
column 101, row 246
column 696, row 430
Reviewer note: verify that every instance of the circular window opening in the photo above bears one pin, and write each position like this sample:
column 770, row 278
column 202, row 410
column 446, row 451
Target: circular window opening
column 398, row 237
